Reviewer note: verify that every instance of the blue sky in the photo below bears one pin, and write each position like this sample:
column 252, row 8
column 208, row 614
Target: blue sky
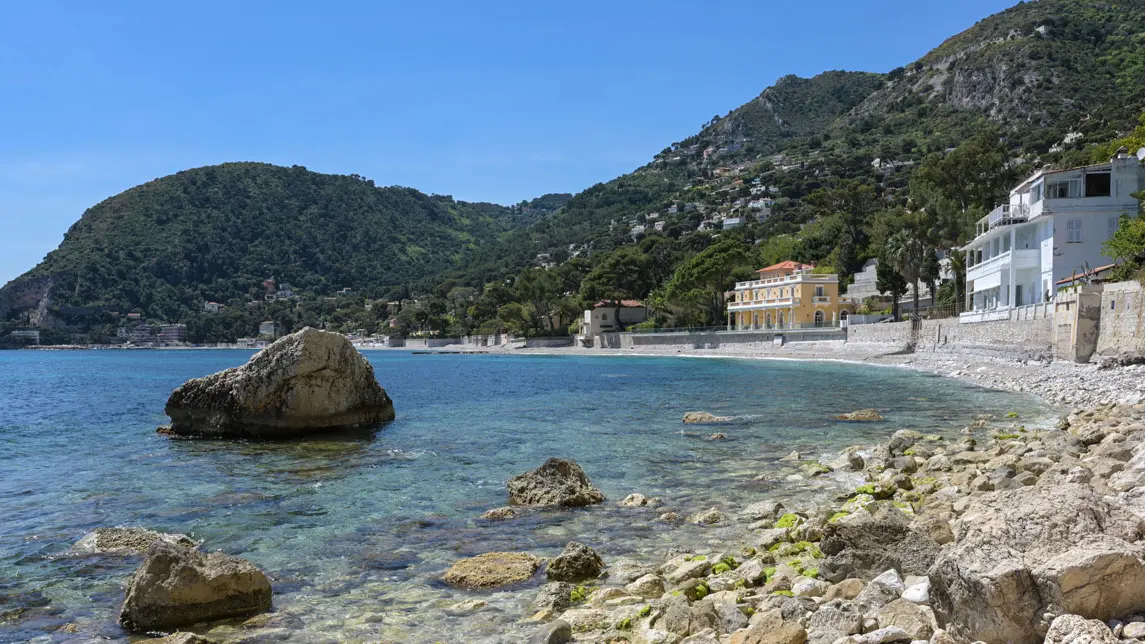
column 484, row 101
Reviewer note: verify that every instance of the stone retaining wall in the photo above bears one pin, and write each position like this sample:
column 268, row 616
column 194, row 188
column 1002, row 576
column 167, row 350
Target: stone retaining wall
column 1122, row 319
column 893, row 334
column 1027, row 339
column 717, row 339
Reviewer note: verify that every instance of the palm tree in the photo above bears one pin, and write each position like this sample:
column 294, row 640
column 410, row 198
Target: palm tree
column 907, row 253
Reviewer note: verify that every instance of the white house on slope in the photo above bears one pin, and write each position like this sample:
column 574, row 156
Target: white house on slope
column 1053, row 227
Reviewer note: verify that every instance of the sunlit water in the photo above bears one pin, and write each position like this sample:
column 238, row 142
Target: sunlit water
column 355, row 531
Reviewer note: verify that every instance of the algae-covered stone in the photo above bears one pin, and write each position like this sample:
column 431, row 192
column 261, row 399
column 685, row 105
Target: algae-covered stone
column 862, row 415
column 492, row 569
column 704, row 418
column 125, row 541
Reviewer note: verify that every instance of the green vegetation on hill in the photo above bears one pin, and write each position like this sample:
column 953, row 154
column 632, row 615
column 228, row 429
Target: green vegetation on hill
column 832, row 170
column 216, row 233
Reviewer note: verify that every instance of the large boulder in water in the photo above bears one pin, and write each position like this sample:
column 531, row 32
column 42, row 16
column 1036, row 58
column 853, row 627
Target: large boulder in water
column 306, row 381
column 558, row 482
column 178, row 586
column 1026, row 556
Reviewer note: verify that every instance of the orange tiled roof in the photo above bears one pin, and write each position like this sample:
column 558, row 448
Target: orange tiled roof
column 786, row 266
column 628, row 304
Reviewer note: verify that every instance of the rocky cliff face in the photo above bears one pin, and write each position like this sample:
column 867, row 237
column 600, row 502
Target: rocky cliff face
column 309, row 380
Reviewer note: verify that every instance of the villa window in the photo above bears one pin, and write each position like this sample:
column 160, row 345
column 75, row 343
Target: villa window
column 1098, row 185
column 1065, row 189
column 1036, row 193
column 818, row 291
column 1073, row 231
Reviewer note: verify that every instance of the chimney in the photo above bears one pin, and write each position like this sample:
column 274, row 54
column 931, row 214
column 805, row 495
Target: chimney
column 1122, row 153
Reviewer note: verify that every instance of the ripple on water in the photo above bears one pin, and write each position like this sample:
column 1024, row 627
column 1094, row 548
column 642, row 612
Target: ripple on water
column 356, row 529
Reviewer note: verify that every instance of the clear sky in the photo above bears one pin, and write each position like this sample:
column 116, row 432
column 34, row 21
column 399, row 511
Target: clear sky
column 489, row 101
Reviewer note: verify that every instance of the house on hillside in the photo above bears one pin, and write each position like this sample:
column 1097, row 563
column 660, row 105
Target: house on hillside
column 1053, row 227
column 788, row 295
column 607, row 317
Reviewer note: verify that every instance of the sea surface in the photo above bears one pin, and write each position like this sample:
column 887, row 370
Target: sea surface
column 355, row 530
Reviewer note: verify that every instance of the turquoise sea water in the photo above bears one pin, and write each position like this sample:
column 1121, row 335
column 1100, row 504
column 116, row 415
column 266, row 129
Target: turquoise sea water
column 355, row 530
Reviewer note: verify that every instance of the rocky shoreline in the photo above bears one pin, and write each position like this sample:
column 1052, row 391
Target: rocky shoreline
column 1007, row 534
column 1014, row 530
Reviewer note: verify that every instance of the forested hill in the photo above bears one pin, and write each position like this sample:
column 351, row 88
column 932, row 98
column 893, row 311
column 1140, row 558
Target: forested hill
column 216, row 233
column 824, row 170
column 1049, row 78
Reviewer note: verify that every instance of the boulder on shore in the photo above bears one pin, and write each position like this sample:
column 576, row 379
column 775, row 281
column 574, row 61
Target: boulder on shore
column 866, row 547
column 307, row 381
column 1028, row 555
column 577, row 562
column 179, row 586
column 492, row 569
column 862, row 415
column 704, row 418
column 556, row 483
column 125, row 541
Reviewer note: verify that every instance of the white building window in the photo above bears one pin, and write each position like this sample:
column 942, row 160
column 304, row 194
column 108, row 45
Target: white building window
column 1036, row 193
column 1073, row 231
column 1065, row 189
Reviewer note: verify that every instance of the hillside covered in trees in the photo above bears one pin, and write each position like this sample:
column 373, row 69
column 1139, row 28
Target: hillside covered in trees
column 218, row 233
column 831, row 170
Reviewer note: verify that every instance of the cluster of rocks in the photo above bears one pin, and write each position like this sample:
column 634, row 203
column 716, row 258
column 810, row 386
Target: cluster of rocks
column 1002, row 535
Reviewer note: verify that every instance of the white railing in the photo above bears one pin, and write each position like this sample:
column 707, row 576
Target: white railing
column 787, row 279
column 822, row 299
column 1003, row 215
column 762, row 304
column 1037, row 311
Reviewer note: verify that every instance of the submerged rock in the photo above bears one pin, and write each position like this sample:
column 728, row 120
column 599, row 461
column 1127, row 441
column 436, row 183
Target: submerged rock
column 492, row 569
column 307, row 381
column 179, row 586
column 499, row 513
column 862, row 415
column 125, row 541
column 577, row 562
column 556, row 483
column 704, row 418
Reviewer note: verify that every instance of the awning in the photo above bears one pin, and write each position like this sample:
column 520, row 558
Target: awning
column 987, row 282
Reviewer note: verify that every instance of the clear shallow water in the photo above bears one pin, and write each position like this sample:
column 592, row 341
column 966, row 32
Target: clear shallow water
column 356, row 530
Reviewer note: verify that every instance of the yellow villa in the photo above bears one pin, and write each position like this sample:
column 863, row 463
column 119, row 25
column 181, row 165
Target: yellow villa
column 787, row 295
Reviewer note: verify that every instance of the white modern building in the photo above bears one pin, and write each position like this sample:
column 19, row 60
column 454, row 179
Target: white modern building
column 1053, row 227
column 607, row 317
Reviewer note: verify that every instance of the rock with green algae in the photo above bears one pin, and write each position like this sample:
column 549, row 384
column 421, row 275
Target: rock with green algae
column 861, row 415
column 492, row 569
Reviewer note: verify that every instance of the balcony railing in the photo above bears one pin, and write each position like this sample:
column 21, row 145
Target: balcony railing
column 772, row 303
column 1004, row 215
column 801, row 276
column 822, row 299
